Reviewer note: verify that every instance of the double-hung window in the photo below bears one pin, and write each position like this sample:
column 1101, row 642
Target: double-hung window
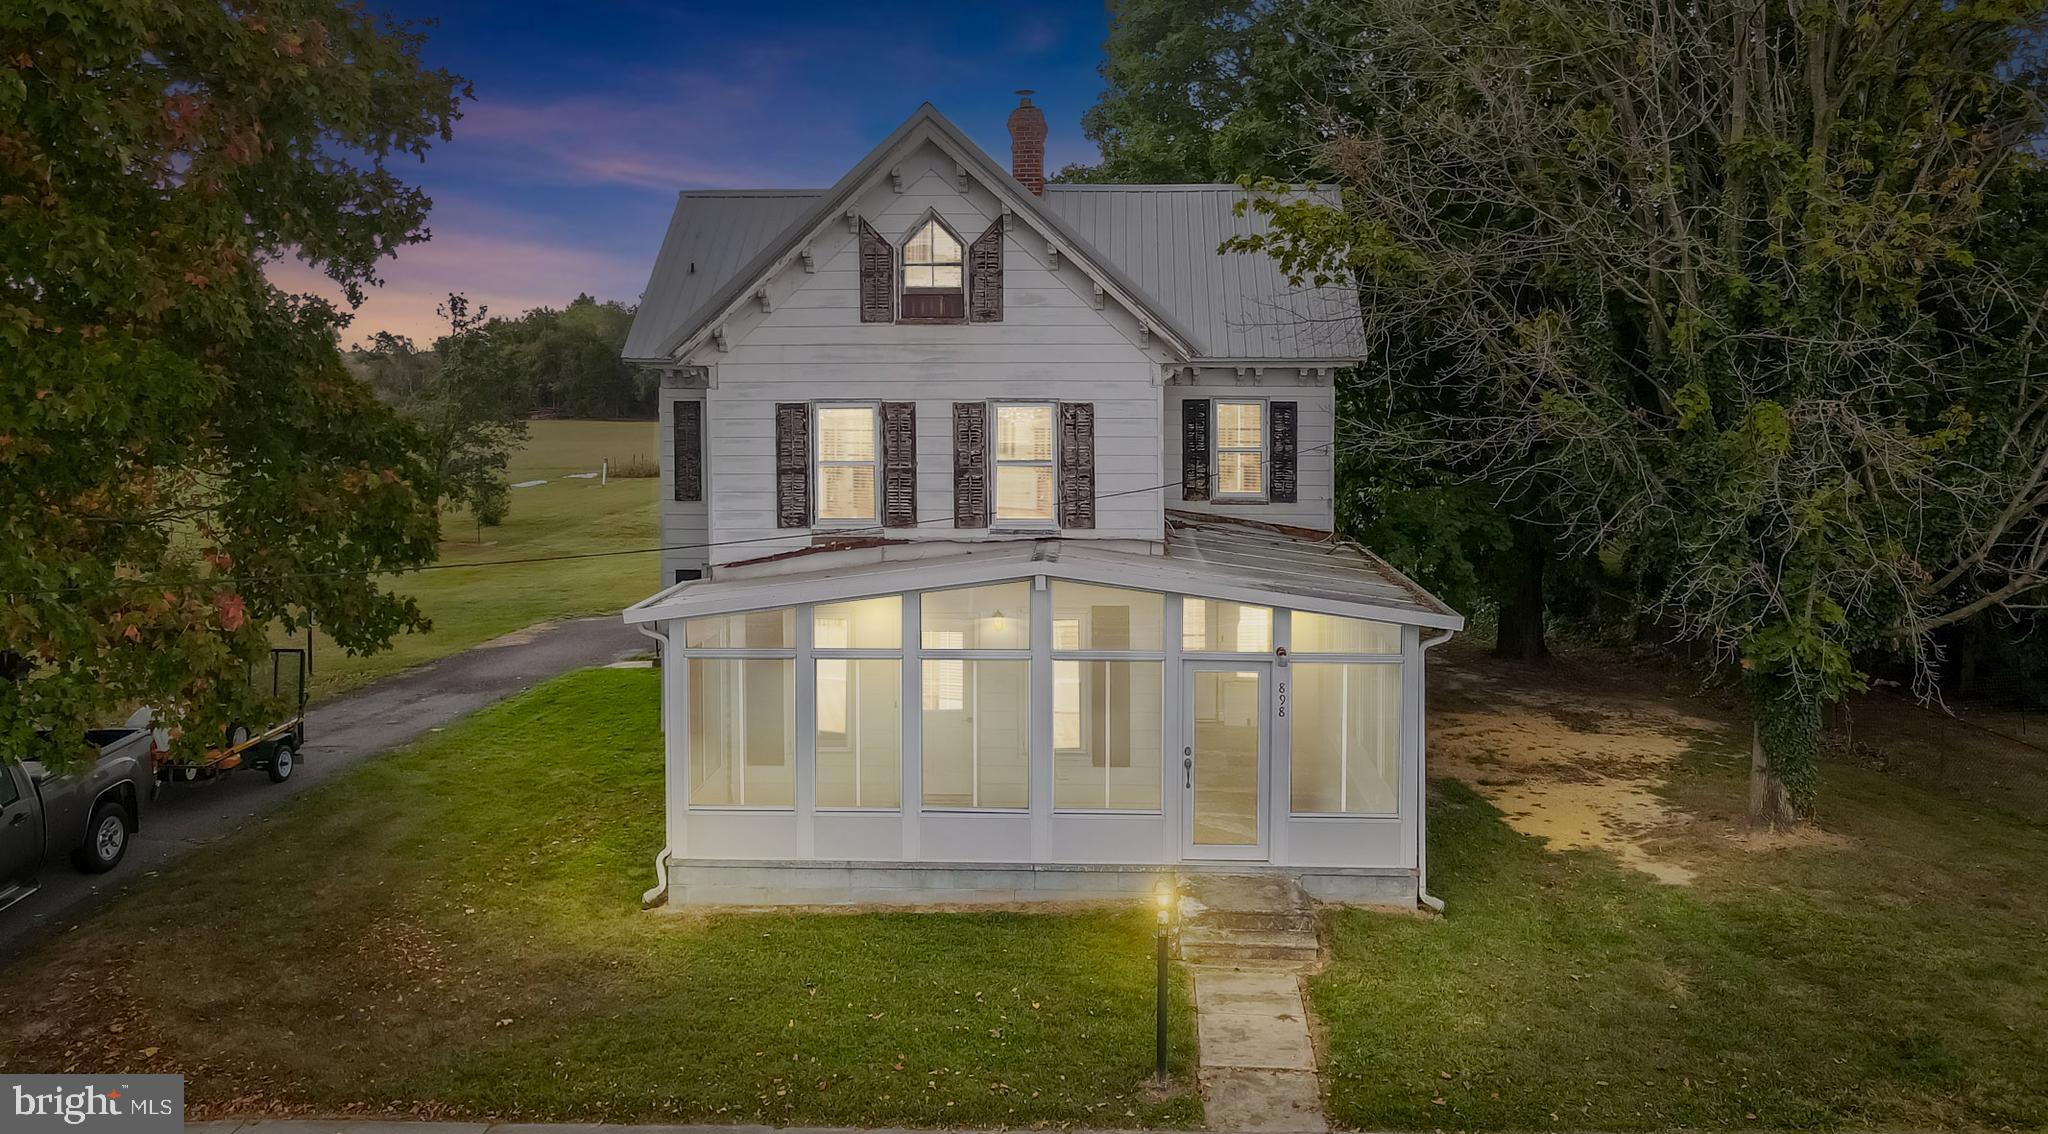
column 847, row 456
column 1024, row 464
column 1241, row 450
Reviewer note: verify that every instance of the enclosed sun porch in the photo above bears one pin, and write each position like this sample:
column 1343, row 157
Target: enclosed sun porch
column 1040, row 719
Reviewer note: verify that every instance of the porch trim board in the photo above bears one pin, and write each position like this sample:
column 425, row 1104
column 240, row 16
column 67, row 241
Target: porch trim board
column 786, row 882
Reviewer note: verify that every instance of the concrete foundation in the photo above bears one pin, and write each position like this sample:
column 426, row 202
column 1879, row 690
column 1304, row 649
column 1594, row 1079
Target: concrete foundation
column 737, row 882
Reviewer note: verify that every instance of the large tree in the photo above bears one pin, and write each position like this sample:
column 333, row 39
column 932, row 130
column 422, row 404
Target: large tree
column 1219, row 90
column 184, row 461
column 1209, row 90
column 1750, row 293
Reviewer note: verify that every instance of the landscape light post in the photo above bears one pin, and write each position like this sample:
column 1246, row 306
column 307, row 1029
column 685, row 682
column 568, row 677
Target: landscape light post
column 1159, row 1031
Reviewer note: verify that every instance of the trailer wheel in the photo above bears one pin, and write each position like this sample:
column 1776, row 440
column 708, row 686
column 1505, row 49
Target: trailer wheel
column 282, row 762
column 106, row 839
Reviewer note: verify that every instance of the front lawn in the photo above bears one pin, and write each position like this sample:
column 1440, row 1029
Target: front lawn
column 1890, row 971
column 454, row 931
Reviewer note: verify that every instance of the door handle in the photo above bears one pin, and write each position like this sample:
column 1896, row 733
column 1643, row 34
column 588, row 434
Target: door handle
column 20, row 817
column 1187, row 767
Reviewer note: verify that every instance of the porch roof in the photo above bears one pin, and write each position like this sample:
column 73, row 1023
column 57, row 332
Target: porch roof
column 1205, row 556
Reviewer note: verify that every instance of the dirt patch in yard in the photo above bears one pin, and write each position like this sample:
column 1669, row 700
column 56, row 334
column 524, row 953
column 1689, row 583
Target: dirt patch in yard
column 1525, row 736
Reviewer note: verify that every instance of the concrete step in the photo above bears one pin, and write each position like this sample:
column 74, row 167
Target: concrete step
column 1272, row 921
column 1217, row 944
column 1247, row 893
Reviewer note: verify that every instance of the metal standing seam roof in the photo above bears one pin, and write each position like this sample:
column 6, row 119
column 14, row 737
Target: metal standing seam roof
column 1238, row 304
column 1204, row 556
column 711, row 236
column 1157, row 242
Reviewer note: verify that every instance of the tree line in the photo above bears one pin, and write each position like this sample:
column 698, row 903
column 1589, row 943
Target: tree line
column 551, row 362
column 1722, row 323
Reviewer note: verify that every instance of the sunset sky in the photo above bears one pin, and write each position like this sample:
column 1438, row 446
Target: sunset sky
column 590, row 117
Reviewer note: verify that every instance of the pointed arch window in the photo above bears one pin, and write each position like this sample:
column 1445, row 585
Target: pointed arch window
column 934, row 275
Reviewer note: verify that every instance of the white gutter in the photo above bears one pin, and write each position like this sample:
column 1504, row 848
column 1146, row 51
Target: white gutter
column 654, row 897
column 1422, row 893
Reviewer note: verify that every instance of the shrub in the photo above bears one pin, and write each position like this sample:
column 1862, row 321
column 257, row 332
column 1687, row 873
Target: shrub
column 636, row 467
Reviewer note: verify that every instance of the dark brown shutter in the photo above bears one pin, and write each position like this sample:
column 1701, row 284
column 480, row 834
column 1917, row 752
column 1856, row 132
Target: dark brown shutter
column 689, row 456
column 877, row 277
column 899, row 464
column 1077, row 464
column 970, row 464
column 985, row 276
column 1286, row 429
column 1194, row 449
column 792, row 465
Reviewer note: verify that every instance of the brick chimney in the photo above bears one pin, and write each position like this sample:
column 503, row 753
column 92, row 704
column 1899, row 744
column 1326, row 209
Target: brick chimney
column 1027, row 144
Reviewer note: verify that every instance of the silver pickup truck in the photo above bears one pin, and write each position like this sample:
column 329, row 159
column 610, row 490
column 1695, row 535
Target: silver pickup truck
column 87, row 814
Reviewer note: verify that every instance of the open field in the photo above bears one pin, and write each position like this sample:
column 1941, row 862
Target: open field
column 1888, row 969
column 472, row 603
column 455, row 930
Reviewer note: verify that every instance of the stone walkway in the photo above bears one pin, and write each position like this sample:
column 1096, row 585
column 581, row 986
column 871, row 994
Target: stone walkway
column 1258, row 1064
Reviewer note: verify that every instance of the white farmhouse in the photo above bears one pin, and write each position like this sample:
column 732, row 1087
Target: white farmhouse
column 999, row 558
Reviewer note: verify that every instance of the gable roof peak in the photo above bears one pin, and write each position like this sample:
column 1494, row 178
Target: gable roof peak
column 924, row 123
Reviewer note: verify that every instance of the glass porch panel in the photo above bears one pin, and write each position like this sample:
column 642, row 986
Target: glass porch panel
column 742, row 732
column 749, row 630
column 1346, row 757
column 1222, row 626
column 993, row 617
column 1227, row 710
column 1106, row 722
column 1090, row 617
column 860, row 624
column 1332, row 634
column 977, row 733
column 860, row 732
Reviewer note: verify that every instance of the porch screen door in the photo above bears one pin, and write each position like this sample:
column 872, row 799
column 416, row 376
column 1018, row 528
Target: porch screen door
column 1223, row 759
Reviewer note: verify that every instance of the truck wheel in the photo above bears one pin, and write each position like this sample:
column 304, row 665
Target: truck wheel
column 106, row 839
column 282, row 762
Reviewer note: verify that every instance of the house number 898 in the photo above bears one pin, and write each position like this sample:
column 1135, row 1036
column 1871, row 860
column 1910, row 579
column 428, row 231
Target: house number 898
column 1280, row 698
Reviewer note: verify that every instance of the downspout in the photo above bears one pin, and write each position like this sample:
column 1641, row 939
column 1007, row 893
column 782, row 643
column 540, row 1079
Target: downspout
column 1422, row 894
column 656, row 896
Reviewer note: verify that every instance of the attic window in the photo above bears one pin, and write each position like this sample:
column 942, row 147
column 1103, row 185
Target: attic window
column 934, row 283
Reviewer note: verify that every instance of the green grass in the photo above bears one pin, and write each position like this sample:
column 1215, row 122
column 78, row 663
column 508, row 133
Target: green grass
column 1896, row 976
column 455, row 930
column 473, row 604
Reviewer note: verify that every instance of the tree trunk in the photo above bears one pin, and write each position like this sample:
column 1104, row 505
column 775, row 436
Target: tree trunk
column 1520, row 634
column 1770, row 804
column 1784, row 753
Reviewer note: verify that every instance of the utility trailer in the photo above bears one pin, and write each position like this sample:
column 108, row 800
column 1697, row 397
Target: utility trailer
column 274, row 748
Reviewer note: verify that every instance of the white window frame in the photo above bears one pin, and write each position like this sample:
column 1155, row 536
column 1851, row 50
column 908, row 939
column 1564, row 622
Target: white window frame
column 819, row 464
column 1217, row 448
column 996, row 520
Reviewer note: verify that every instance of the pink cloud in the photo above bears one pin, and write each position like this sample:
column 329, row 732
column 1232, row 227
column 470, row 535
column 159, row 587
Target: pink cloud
column 503, row 270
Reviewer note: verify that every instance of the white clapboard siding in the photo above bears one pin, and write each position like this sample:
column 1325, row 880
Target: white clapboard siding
column 1314, row 461
column 1053, row 344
